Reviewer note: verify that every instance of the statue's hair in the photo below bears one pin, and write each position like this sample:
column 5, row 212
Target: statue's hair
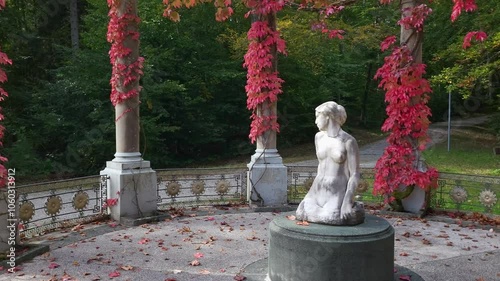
column 333, row 110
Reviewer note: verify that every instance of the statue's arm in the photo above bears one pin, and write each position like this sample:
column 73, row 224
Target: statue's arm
column 354, row 175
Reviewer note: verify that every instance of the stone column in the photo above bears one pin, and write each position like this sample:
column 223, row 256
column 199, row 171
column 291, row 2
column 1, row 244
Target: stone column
column 414, row 40
column 267, row 176
column 131, row 179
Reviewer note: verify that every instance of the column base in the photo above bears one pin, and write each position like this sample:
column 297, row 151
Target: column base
column 132, row 181
column 267, row 179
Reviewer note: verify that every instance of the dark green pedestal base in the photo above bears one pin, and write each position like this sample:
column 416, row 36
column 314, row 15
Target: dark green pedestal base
column 331, row 253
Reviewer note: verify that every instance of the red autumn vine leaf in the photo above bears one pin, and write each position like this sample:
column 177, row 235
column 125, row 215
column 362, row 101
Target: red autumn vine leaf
column 114, row 274
column 53, row 265
column 111, row 202
column 143, row 241
column 473, row 35
column 461, row 5
column 415, row 17
column 387, row 43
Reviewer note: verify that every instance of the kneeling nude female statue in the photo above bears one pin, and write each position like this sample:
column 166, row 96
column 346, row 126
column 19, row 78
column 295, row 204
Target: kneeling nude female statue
column 330, row 199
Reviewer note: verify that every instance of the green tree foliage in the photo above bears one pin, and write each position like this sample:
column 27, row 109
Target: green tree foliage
column 472, row 75
column 59, row 119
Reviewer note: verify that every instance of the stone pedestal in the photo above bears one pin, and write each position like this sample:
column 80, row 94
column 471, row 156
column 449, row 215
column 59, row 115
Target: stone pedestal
column 327, row 253
column 132, row 181
column 267, row 178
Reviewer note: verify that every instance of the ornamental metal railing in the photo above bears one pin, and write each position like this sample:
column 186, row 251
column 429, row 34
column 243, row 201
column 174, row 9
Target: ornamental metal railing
column 52, row 205
column 455, row 192
column 195, row 187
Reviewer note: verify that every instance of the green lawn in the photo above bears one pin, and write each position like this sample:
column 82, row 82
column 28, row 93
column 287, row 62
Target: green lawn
column 471, row 152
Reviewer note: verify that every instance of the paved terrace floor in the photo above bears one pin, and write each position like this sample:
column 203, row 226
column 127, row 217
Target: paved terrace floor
column 214, row 244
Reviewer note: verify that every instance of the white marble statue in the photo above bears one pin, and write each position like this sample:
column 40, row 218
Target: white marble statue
column 330, row 198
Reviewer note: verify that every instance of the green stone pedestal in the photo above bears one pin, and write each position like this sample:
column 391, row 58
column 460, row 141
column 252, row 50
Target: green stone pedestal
column 317, row 252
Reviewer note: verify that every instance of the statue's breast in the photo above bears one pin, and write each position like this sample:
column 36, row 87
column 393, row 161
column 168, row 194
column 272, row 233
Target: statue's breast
column 332, row 148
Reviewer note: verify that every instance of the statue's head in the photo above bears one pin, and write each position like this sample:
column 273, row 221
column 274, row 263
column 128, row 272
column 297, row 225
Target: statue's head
column 333, row 111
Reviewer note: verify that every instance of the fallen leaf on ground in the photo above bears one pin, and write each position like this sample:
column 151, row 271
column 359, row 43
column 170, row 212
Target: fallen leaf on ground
column 198, row 255
column 405, row 277
column 204, row 271
column 114, row 274
column 144, row 241
column 77, row 227
column 239, row 277
column 404, row 254
column 195, row 263
column 291, row 217
column 127, row 267
column 53, row 265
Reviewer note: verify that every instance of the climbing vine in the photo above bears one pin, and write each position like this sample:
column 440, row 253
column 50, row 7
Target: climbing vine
column 124, row 37
column 407, row 94
column 4, row 60
column 263, row 82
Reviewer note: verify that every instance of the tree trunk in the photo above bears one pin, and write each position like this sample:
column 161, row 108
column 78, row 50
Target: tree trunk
column 369, row 78
column 73, row 12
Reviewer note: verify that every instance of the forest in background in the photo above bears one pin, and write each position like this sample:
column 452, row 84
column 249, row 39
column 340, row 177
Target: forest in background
column 59, row 120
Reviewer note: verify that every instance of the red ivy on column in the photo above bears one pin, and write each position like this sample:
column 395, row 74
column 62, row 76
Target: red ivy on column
column 3, row 94
column 263, row 82
column 407, row 95
column 124, row 71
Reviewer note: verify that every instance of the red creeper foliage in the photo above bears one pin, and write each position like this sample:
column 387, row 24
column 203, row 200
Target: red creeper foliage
column 468, row 6
column 125, row 73
column 407, row 95
column 263, row 83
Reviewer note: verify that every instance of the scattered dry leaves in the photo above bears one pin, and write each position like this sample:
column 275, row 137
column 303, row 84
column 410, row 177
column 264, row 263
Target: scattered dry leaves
column 303, row 223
